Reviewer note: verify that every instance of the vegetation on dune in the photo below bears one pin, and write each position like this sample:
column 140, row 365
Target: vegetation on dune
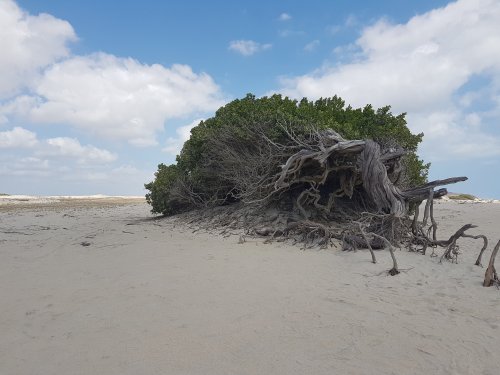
column 241, row 124
column 465, row 197
column 310, row 172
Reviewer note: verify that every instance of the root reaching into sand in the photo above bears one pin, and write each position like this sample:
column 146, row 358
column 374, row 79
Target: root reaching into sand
column 485, row 245
column 491, row 277
column 321, row 188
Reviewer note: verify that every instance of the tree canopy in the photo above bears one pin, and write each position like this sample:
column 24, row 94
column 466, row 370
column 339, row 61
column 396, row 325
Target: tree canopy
column 240, row 124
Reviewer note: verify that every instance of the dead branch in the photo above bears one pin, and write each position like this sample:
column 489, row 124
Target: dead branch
column 485, row 245
column 368, row 244
column 491, row 277
column 451, row 242
column 394, row 270
column 420, row 193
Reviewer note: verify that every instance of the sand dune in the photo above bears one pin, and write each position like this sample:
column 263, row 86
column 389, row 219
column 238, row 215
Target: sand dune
column 91, row 288
column 16, row 202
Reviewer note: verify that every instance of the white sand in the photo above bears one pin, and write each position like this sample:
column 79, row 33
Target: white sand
column 146, row 298
column 33, row 200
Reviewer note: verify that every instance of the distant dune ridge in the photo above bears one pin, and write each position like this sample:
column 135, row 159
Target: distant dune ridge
column 55, row 197
column 467, row 197
column 27, row 201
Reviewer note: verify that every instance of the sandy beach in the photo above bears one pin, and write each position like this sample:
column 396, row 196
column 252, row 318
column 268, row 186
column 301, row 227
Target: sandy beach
column 98, row 285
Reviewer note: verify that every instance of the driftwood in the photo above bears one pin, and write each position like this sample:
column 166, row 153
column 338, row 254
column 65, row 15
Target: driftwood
column 451, row 243
column 394, row 270
column 491, row 277
column 368, row 242
column 485, row 245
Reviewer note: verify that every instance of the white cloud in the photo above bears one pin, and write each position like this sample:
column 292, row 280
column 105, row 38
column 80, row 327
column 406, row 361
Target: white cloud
column 27, row 156
column 174, row 145
column 26, row 166
column 17, row 138
column 248, row 47
column 61, row 147
column 118, row 98
column 450, row 136
column 71, row 148
column 285, row 17
column 28, row 44
column 311, row 46
column 473, row 119
column 125, row 170
column 419, row 67
column 53, row 175
column 104, row 95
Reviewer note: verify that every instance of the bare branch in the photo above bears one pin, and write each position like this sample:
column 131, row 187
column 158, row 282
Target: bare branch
column 491, row 277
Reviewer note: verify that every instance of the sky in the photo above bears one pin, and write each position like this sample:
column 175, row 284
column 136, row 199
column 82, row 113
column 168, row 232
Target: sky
column 95, row 94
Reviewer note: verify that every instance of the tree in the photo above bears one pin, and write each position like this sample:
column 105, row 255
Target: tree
column 307, row 171
column 275, row 118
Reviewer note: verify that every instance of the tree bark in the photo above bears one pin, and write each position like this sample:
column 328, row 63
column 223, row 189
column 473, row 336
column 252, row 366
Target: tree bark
column 485, row 245
column 491, row 277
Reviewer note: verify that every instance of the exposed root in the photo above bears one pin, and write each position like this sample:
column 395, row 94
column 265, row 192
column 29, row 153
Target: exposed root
column 394, row 270
column 491, row 277
column 451, row 244
column 485, row 245
column 368, row 242
column 320, row 188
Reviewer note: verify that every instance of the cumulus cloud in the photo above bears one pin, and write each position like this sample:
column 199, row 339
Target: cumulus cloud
column 27, row 157
column 448, row 136
column 71, row 148
column 17, row 138
column 104, row 95
column 174, row 145
column 419, row 67
column 247, row 47
column 28, row 44
column 26, row 166
column 285, row 17
column 56, row 175
column 115, row 97
column 63, row 147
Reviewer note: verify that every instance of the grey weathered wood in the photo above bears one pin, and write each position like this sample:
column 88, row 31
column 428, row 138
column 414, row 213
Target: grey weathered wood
column 490, row 276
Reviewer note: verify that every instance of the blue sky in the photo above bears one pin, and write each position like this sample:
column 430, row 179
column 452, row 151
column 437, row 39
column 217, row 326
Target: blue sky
column 94, row 94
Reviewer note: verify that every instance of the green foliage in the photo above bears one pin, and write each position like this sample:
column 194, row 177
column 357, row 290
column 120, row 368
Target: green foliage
column 416, row 170
column 159, row 190
column 273, row 114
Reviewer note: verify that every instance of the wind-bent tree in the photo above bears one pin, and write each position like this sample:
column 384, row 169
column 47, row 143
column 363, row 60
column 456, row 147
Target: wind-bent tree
column 247, row 127
column 308, row 171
